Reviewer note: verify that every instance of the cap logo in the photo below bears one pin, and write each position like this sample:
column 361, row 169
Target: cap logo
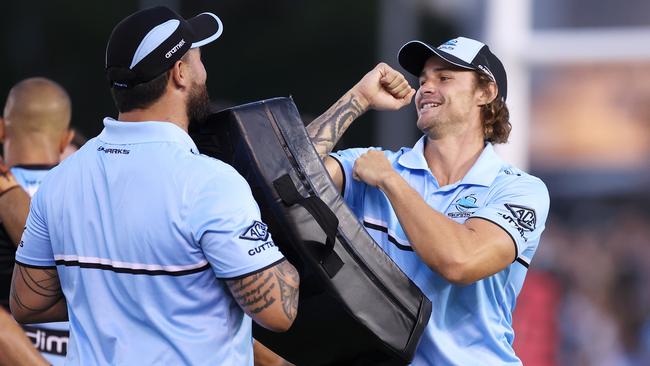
column 487, row 71
column 175, row 48
column 449, row 45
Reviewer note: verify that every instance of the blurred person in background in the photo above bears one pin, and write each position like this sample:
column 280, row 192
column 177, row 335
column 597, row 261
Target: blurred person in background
column 459, row 221
column 15, row 347
column 34, row 131
column 75, row 144
column 142, row 242
column 605, row 308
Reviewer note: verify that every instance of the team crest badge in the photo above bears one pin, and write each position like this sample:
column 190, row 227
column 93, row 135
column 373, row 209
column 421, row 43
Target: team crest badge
column 466, row 203
column 464, row 207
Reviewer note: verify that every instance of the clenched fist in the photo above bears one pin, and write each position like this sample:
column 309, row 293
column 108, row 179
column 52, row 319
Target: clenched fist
column 384, row 88
column 372, row 168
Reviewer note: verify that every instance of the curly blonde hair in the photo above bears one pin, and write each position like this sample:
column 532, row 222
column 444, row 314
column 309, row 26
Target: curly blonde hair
column 495, row 116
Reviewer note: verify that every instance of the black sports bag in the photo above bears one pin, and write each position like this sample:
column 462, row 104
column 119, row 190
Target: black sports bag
column 356, row 306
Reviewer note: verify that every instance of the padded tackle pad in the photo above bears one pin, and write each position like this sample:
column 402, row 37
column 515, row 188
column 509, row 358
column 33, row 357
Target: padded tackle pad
column 356, row 306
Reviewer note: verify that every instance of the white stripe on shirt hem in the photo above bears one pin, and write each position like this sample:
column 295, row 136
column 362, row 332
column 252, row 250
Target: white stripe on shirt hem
column 127, row 265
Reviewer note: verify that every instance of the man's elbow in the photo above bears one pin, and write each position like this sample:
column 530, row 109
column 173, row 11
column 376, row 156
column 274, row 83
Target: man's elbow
column 278, row 324
column 282, row 326
column 280, row 317
column 457, row 273
column 18, row 312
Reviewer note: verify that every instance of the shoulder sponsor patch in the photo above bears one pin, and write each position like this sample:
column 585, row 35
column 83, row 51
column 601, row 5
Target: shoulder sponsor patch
column 257, row 231
column 524, row 216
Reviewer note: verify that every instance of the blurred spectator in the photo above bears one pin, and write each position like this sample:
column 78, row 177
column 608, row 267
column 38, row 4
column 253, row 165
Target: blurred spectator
column 601, row 259
column 34, row 132
column 78, row 140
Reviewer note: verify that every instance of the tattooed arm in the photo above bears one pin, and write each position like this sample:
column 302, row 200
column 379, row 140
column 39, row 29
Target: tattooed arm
column 36, row 295
column 382, row 89
column 270, row 297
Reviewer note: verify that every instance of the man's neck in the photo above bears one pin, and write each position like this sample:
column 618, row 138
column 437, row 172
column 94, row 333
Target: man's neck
column 41, row 152
column 164, row 110
column 451, row 157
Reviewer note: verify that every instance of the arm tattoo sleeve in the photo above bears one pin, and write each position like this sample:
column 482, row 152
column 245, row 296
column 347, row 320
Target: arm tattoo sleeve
column 254, row 293
column 289, row 280
column 326, row 130
column 259, row 291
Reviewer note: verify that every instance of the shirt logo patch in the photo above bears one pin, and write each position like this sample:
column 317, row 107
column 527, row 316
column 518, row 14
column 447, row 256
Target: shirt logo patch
column 113, row 151
column 257, row 231
column 463, row 207
column 525, row 217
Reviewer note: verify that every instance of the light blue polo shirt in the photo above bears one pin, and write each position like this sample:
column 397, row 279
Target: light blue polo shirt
column 469, row 325
column 142, row 228
column 50, row 339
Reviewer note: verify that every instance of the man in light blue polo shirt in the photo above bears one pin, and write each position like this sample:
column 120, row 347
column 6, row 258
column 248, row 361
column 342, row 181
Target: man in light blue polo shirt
column 459, row 221
column 155, row 253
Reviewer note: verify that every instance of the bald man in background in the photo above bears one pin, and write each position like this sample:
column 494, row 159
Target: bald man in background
column 34, row 131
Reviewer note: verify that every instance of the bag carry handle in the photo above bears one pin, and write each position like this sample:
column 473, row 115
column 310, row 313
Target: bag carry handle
column 324, row 217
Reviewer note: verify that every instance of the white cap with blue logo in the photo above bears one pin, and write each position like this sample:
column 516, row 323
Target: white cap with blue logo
column 462, row 52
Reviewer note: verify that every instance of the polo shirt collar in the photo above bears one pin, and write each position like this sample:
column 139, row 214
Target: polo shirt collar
column 116, row 132
column 414, row 158
column 483, row 172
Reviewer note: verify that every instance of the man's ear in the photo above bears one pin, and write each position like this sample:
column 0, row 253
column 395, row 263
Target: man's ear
column 180, row 74
column 66, row 138
column 487, row 94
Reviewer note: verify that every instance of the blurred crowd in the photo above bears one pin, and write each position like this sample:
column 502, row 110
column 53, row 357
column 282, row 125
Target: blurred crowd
column 587, row 300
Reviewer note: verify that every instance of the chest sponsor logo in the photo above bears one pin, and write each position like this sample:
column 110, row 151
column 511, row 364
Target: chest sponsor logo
column 464, row 207
column 257, row 231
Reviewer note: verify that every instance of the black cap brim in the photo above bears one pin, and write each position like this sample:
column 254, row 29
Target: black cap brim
column 414, row 54
column 206, row 27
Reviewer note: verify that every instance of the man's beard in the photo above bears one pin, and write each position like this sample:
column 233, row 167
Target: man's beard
column 198, row 103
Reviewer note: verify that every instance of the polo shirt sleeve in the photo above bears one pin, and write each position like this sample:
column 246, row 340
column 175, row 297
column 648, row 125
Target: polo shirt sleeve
column 352, row 188
column 226, row 222
column 520, row 207
column 35, row 248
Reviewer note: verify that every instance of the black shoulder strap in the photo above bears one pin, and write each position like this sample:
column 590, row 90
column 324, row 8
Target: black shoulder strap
column 321, row 213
